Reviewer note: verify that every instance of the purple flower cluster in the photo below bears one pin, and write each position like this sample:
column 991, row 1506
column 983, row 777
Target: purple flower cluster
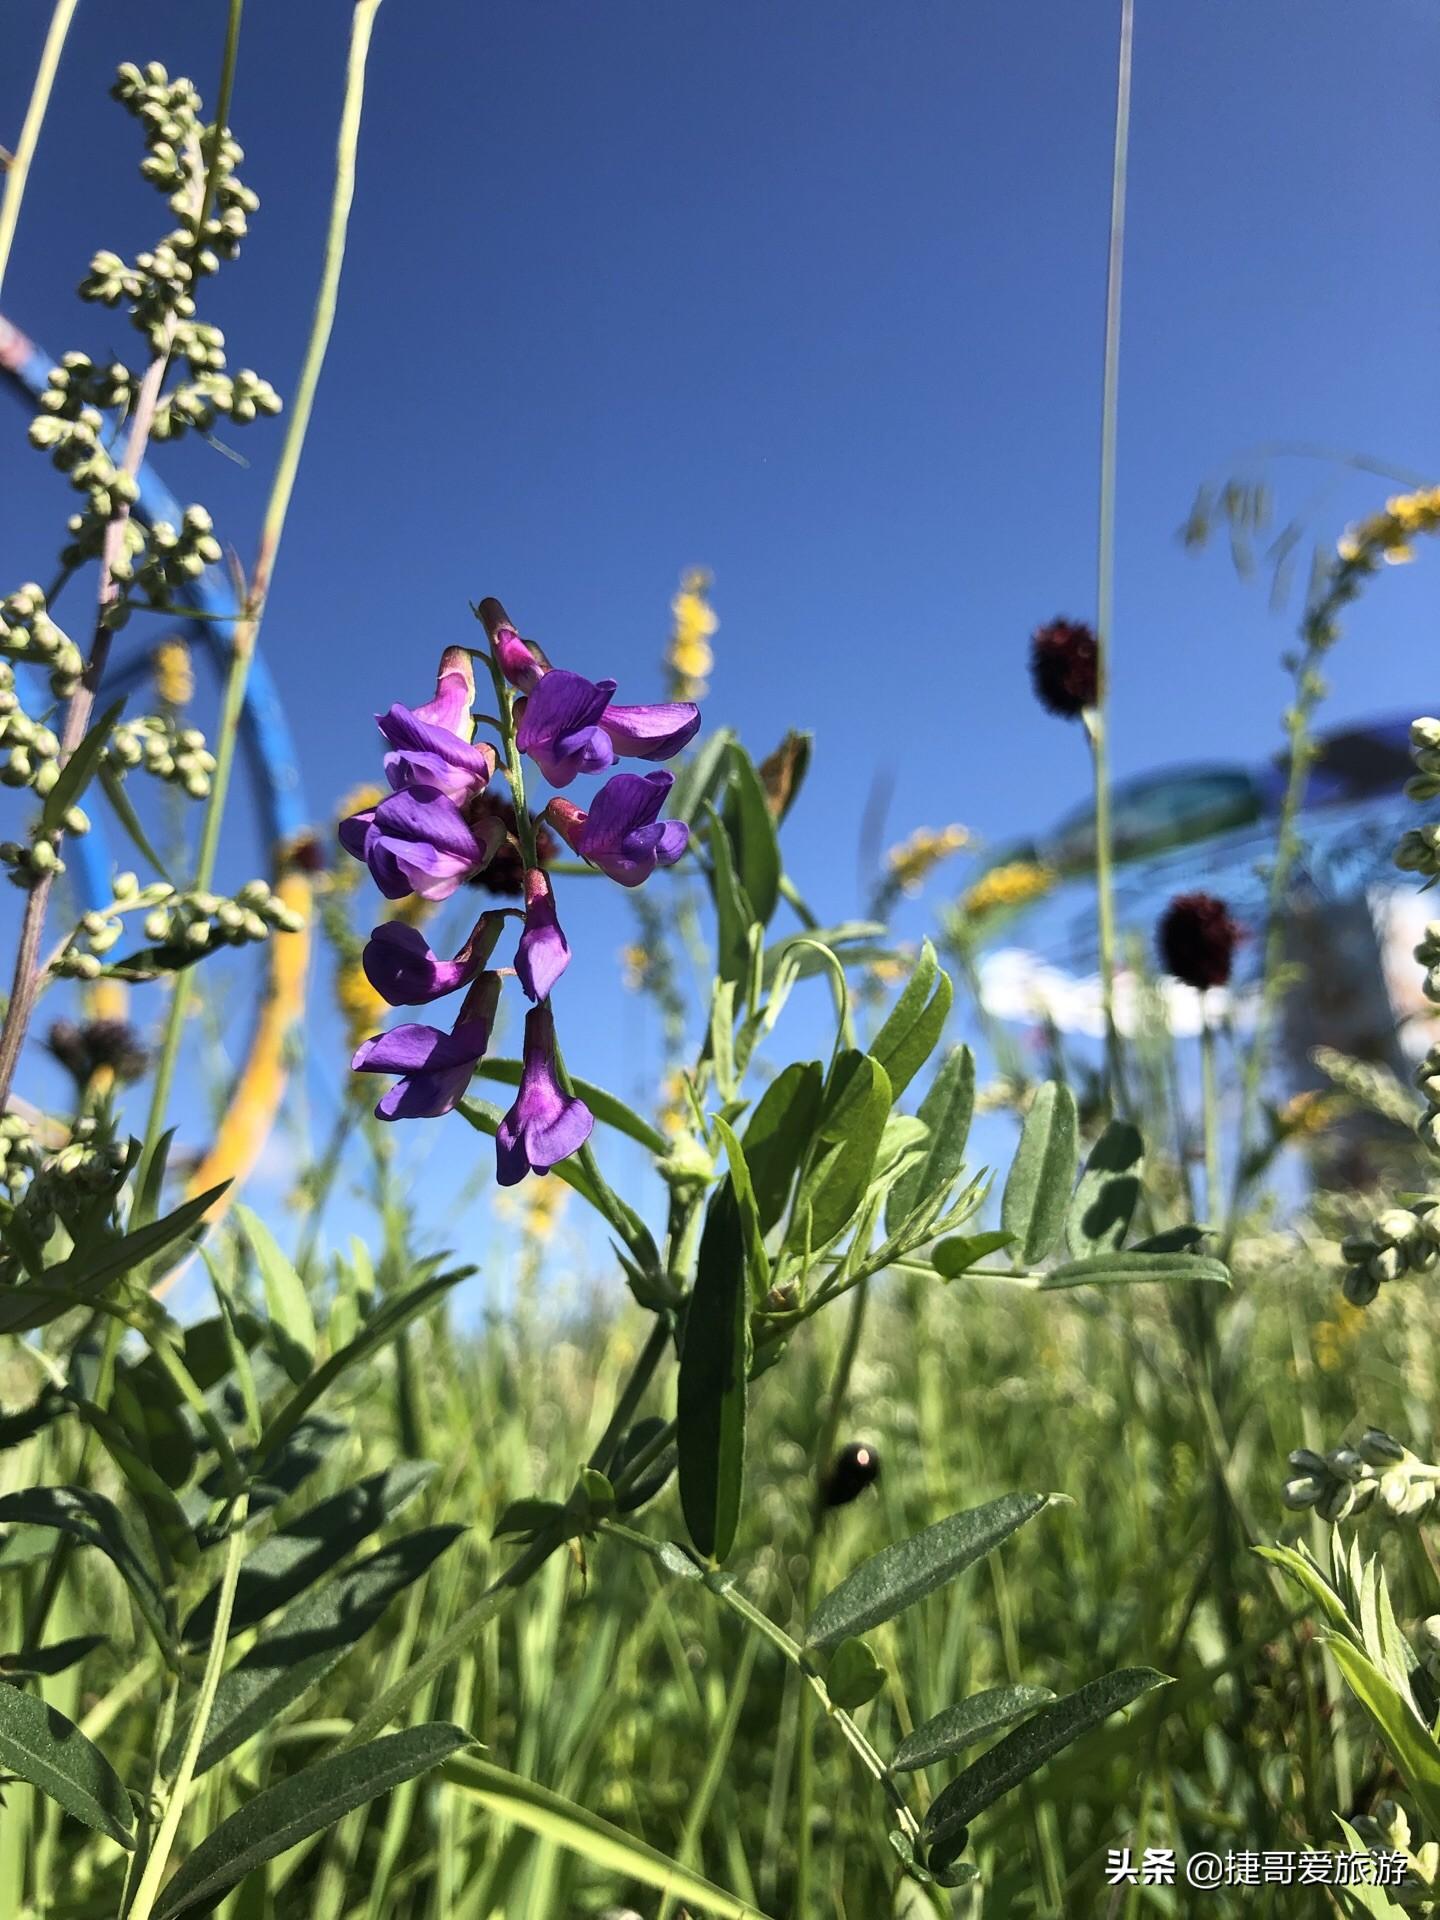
column 439, row 827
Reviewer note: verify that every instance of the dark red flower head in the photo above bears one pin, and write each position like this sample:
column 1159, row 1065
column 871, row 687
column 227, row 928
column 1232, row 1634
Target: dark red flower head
column 852, row 1470
column 505, row 874
column 1197, row 940
column 1065, row 667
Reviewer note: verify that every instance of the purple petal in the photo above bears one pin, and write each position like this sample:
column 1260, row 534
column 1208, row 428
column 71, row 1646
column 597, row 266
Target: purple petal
column 422, row 814
column 652, row 733
column 543, row 953
column 516, row 660
column 560, row 729
column 454, row 695
column 425, row 1096
column 556, row 1139
column 400, row 965
column 511, row 1163
column 404, row 1049
column 354, row 833
column 432, row 756
column 627, row 801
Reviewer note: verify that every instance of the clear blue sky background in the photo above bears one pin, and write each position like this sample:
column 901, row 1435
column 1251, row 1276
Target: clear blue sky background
column 812, row 295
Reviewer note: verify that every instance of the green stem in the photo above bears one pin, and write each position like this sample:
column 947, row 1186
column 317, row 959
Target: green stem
column 1105, row 559
column 1210, row 1106
column 174, row 1799
column 272, row 529
column 18, row 171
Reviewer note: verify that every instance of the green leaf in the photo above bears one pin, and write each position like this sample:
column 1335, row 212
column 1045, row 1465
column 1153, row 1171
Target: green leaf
column 523, row 1519
column 76, row 773
column 307, row 1642
column 382, row 1327
column 734, row 914
column 1172, row 1240
column 947, row 1110
column 607, row 1109
column 710, row 1399
column 752, row 836
column 96, row 1522
column 958, row 1727
column 1412, row 1746
column 757, row 1260
column 1016, row 1757
column 854, row 1676
column 913, row 1027
column 1037, row 1192
column 42, row 1746
column 697, row 779
column 298, row 1554
column 307, row 1802
column 778, row 1134
column 1108, row 1193
column 852, row 1119
column 898, row 1576
column 1131, row 1268
column 853, row 943
column 87, row 1273
column 58, row 1657
column 125, row 813
column 562, row 1823
column 1368, row 1897
column 961, row 1251
column 292, row 1324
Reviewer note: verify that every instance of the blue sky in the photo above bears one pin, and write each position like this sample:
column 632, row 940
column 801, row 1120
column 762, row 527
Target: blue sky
column 811, row 295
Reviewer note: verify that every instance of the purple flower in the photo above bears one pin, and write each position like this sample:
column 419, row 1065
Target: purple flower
column 431, row 745
column 652, row 733
column 418, row 841
column 545, row 1124
column 544, row 952
column 622, row 833
column 434, row 1067
column 521, row 661
column 400, row 966
column 560, row 727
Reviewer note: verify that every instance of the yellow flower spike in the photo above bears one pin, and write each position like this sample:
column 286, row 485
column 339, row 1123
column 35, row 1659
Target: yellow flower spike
column 635, row 967
column 688, row 658
column 361, row 1006
column 911, row 862
column 1014, row 884
column 174, row 676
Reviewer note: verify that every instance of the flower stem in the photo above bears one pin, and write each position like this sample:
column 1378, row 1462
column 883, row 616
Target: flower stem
column 277, row 508
column 174, row 1799
column 1105, row 558
column 18, row 170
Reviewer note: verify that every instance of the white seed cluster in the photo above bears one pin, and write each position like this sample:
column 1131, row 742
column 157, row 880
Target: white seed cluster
column 1378, row 1469
column 1397, row 1242
column 189, row 923
column 156, row 745
column 1419, row 849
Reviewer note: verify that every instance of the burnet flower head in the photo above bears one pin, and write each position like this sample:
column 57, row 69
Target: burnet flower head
column 441, row 827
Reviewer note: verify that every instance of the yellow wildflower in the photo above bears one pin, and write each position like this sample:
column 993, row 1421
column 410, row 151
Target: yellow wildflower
column 536, row 1208
column 362, row 1007
column 688, row 656
column 634, row 967
column 358, row 799
column 910, row 863
column 1311, row 1112
column 674, row 1115
column 1014, row 884
column 1334, row 1337
column 1387, row 535
column 174, row 676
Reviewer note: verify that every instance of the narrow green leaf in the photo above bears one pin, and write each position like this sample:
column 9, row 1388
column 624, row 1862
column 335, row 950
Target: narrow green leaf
column 562, row 1823
column 777, row 1135
column 1412, row 1746
column 114, row 788
column 898, row 1576
column 298, row 1554
column 1172, row 1240
column 1131, row 1268
column 607, row 1109
column 697, row 778
column 377, row 1331
column 947, row 1110
column 757, row 1260
column 42, row 1746
column 96, row 1522
column 734, row 913
column 307, row 1802
column 1037, row 1193
column 76, row 773
column 958, row 1727
column 58, row 1657
column 309, row 1640
column 710, row 1400
column 854, row 1676
column 1108, row 1193
column 87, row 1273
column 1021, row 1753
column 292, row 1324
column 961, row 1251
column 852, row 1120
column 751, row 829
column 912, row 1030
